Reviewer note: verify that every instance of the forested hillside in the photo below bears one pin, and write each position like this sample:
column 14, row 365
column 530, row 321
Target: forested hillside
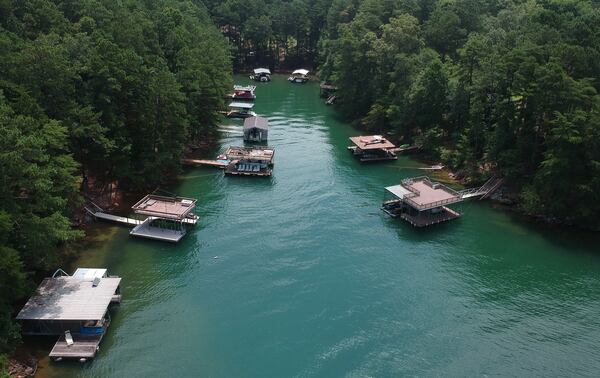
column 502, row 86
column 278, row 34
column 93, row 89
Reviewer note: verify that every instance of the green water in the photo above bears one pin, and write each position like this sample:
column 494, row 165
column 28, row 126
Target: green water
column 313, row 280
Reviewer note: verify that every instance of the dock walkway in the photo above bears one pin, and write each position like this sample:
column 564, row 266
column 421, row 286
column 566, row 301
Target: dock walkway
column 210, row 163
column 483, row 191
column 84, row 346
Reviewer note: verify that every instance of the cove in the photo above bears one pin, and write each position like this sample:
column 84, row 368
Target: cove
column 313, row 280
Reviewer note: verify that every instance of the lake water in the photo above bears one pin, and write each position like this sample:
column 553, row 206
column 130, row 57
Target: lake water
column 313, row 280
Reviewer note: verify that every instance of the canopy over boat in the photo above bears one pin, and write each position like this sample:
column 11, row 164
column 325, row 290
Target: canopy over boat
column 301, row 71
column 259, row 71
column 241, row 105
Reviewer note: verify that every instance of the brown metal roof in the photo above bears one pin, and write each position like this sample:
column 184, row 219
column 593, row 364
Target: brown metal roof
column 165, row 207
column 428, row 195
column 70, row 298
column 372, row 142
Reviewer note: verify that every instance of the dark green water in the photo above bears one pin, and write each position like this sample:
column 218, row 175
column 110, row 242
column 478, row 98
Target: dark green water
column 313, row 280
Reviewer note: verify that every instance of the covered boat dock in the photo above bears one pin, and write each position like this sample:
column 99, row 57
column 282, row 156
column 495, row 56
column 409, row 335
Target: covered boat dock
column 421, row 202
column 247, row 161
column 256, row 129
column 74, row 308
column 167, row 217
column 372, row 148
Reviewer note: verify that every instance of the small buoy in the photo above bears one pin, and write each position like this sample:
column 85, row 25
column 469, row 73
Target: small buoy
column 215, row 257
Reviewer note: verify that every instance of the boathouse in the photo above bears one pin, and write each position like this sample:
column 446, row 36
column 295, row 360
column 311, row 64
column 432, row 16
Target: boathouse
column 167, row 217
column 372, row 148
column 421, row 202
column 247, row 161
column 76, row 308
column 256, row 129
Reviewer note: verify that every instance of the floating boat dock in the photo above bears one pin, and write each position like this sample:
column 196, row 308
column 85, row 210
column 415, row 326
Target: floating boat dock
column 421, row 202
column 75, row 308
column 372, row 148
column 166, row 217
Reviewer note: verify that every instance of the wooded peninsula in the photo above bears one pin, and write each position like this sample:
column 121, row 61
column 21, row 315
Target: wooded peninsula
column 101, row 92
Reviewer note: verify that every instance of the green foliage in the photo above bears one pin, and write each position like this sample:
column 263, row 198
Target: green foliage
column 508, row 86
column 112, row 90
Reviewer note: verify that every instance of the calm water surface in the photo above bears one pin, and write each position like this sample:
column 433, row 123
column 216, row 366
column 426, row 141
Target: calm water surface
column 313, row 280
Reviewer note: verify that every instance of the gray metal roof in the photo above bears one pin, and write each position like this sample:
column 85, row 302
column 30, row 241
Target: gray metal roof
column 256, row 123
column 70, row 298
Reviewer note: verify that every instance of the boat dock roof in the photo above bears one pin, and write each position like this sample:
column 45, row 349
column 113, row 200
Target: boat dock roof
column 176, row 208
column 423, row 194
column 241, row 105
column 256, row 123
column 249, row 153
column 372, row 142
column 70, row 298
column 248, row 88
column 301, row 71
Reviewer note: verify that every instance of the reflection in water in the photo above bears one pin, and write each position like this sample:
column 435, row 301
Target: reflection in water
column 312, row 279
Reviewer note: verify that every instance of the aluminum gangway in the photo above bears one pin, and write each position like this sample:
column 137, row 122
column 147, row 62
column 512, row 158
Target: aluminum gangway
column 483, row 191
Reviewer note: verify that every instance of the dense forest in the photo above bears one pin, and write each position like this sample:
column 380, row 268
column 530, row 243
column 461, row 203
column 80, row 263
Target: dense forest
column 506, row 87
column 93, row 90
column 509, row 87
column 99, row 91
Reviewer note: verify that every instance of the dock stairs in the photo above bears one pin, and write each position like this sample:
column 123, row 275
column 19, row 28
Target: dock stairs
column 483, row 191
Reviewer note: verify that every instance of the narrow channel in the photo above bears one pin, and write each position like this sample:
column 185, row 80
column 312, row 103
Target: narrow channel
column 301, row 274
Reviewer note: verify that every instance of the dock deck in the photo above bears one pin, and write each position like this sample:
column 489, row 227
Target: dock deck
column 146, row 230
column 84, row 346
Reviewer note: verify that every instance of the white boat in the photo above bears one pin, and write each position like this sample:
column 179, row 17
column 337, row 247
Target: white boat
column 241, row 110
column 299, row 76
column 261, row 74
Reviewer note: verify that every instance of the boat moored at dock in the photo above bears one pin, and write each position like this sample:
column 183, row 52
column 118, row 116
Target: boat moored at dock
column 240, row 110
column 261, row 74
column 243, row 93
column 299, row 76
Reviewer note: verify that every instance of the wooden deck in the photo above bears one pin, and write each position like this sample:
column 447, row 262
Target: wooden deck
column 84, row 346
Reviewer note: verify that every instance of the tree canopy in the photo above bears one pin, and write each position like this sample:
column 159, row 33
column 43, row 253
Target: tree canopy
column 108, row 89
column 503, row 86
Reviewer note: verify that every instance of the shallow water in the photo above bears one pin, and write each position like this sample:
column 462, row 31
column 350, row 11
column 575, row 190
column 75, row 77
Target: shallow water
column 313, row 280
